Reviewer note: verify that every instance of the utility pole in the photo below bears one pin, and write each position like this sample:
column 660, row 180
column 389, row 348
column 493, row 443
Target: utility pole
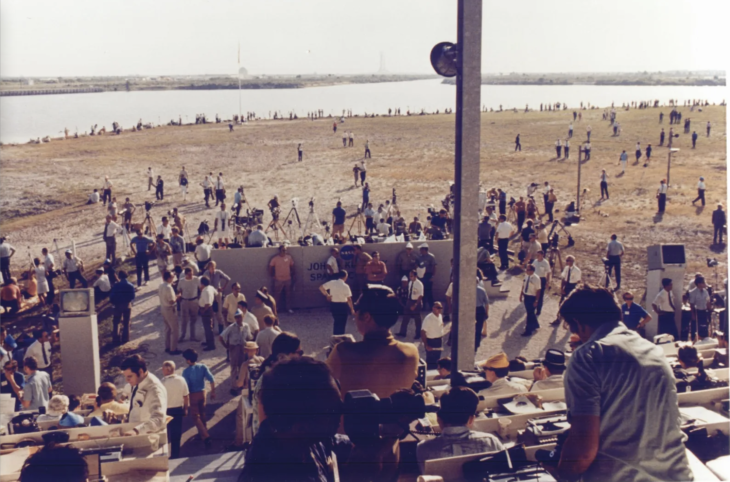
column 672, row 150
column 466, row 181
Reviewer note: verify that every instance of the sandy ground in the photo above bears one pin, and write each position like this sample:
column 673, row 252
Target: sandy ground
column 414, row 154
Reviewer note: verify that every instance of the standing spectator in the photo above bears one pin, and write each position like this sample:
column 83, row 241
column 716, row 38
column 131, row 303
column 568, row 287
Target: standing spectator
column 406, row 260
column 260, row 308
column 111, row 229
column 432, row 332
column 543, row 270
column 588, row 133
column 163, row 251
column 427, row 260
column 413, row 306
column 148, row 401
column 361, row 261
column 700, row 191
column 38, row 388
column 202, row 253
column 230, row 304
column 482, row 314
column 623, row 160
column 708, row 128
column 282, row 270
column 661, row 196
column 664, row 306
column 701, row 305
column 587, row 150
column 205, row 303
column 195, row 375
column 694, row 139
column 614, row 253
column 558, row 149
column 339, row 296
column 160, row 189
column 529, row 295
column 604, row 185
column 150, row 179
column 518, row 146
column 11, row 296
column 142, row 248
column 633, row 315
column 566, row 148
column 49, row 263
column 187, row 288
column 219, row 281
column 249, row 359
column 6, row 252
column 73, row 268
column 504, row 232
column 121, row 296
column 177, row 244
column 233, row 339
column 638, row 152
column 351, row 139
column 718, row 223
column 570, row 131
column 376, row 270
column 661, row 138
column 648, row 153
column 550, row 205
column 367, row 150
column 178, row 404
column 168, row 307
column 249, row 318
column 570, row 277
column 12, row 383
column 266, row 337
column 41, row 349
column 338, row 220
column 363, row 173
column 300, row 152
column 334, row 264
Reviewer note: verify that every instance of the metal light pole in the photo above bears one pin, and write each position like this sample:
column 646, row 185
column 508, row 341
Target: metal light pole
column 466, row 180
column 672, row 150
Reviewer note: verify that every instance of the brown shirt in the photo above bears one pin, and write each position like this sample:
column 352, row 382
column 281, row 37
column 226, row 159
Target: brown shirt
column 378, row 363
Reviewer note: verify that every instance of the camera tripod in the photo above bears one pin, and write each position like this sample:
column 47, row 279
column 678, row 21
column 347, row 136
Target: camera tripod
column 149, row 225
column 312, row 222
column 276, row 226
column 585, row 199
column 606, row 276
column 358, row 221
column 553, row 256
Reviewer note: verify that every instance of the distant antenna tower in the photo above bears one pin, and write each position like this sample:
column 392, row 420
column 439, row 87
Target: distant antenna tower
column 382, row 69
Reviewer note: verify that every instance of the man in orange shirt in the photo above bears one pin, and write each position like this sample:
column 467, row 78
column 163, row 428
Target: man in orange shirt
column 282, row 270
column 375, row 269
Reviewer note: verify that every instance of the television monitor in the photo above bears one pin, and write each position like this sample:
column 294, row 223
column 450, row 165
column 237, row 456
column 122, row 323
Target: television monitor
column 77, row 302
column 673, row 254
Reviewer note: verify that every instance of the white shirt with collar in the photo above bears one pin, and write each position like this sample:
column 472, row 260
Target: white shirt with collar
column 207, row 296
column 148, row 406
column 203, row 251
column 332, row 263
column 252, row 322
column 103, row 283
column 433, row 325
column 504, row 230
column 553, row 381
column 5, row 250
column 575, row 275
column 219, row 183
column 503, row 386
column 176, row 388
column 165, row 231
column 415, row 290
column 112, row 229
column 662, row 301
column 542, row 268
column 701, row 185
column 339, row 290
column 662, row 188
column 531, row 285
column 36, row 350
column 71, row 264
column 49, row 262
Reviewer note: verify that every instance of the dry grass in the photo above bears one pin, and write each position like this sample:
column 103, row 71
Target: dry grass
column 414, row 154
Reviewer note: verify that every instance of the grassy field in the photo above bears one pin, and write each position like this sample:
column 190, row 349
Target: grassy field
column 44, row 187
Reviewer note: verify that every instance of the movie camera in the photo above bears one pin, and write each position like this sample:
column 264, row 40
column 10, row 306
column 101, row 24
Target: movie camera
column 554, row 238
column 253, row 218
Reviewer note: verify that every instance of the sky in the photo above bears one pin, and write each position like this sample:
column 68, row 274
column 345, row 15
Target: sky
column 196, row 37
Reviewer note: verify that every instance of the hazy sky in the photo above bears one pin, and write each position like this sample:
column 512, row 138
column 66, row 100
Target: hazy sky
column 143, row 37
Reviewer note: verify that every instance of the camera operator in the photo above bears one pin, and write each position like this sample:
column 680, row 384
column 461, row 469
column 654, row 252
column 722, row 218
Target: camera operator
column 570, row 277
column 440, row 221
column 297, row 440
column 616, row 373
column 380, row 364
column 369, row 213
column 338, row 219
column 258, row 239
column 415, row 228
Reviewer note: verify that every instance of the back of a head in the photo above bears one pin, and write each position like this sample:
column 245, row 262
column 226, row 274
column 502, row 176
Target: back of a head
column 688, row 356
column 458, row 405
column 300, row 394
column 285, row 343
column 381, row 303
column 55, row 464
column 106, row 392
column 590, row 306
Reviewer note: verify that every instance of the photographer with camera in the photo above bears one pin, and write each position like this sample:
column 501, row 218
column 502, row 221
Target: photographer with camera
column 338, row 219
column 380, row 364
column 613, row 373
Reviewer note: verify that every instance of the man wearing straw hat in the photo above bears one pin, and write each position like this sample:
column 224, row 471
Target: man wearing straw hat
column 496, row 369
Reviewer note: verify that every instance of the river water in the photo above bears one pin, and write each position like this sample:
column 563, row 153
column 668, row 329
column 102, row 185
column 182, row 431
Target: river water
column 25, row 117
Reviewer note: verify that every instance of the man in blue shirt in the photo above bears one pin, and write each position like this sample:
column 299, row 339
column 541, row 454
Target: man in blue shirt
column 195, row 375
column 121, row 296
column 142, row 247
column 621, row 398
column 338, row 219
column 634, row 316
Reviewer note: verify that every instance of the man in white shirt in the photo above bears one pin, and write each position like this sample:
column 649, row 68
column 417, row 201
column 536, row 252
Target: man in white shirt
column 383, row 228
column 94, row 197
column 249, row 318
column 148, row 401
column 230, row 304
column 339, row 295
column 550, row 374
column 111, row 229
column 40, row 349
column 168, row 307
column 333, row 264
column 432, row 333
column 414, row 303
column 570, row 277
column 504, row 232
column 202, row 253
column 150, row 179
column 205, row 303
column 178, row 404
column 604, row 185
column 664, row 306
column 188, row 288
column 102, row 286
column 257, row 238
column 544, row 272
column 72, row 268
column 222, row 224
column 207, row 185
column 496, row 369
column 165, row 229
column 661, row 196
column 220, row 189
column 529, row 294
column 233, row 339
column 700, row 191
column 266, row 337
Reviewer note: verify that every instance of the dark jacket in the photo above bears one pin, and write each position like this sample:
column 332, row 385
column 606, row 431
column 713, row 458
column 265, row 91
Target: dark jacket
column 718, row 218
column 122, row 293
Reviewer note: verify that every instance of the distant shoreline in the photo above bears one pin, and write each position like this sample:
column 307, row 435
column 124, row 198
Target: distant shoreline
column 635, row 79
